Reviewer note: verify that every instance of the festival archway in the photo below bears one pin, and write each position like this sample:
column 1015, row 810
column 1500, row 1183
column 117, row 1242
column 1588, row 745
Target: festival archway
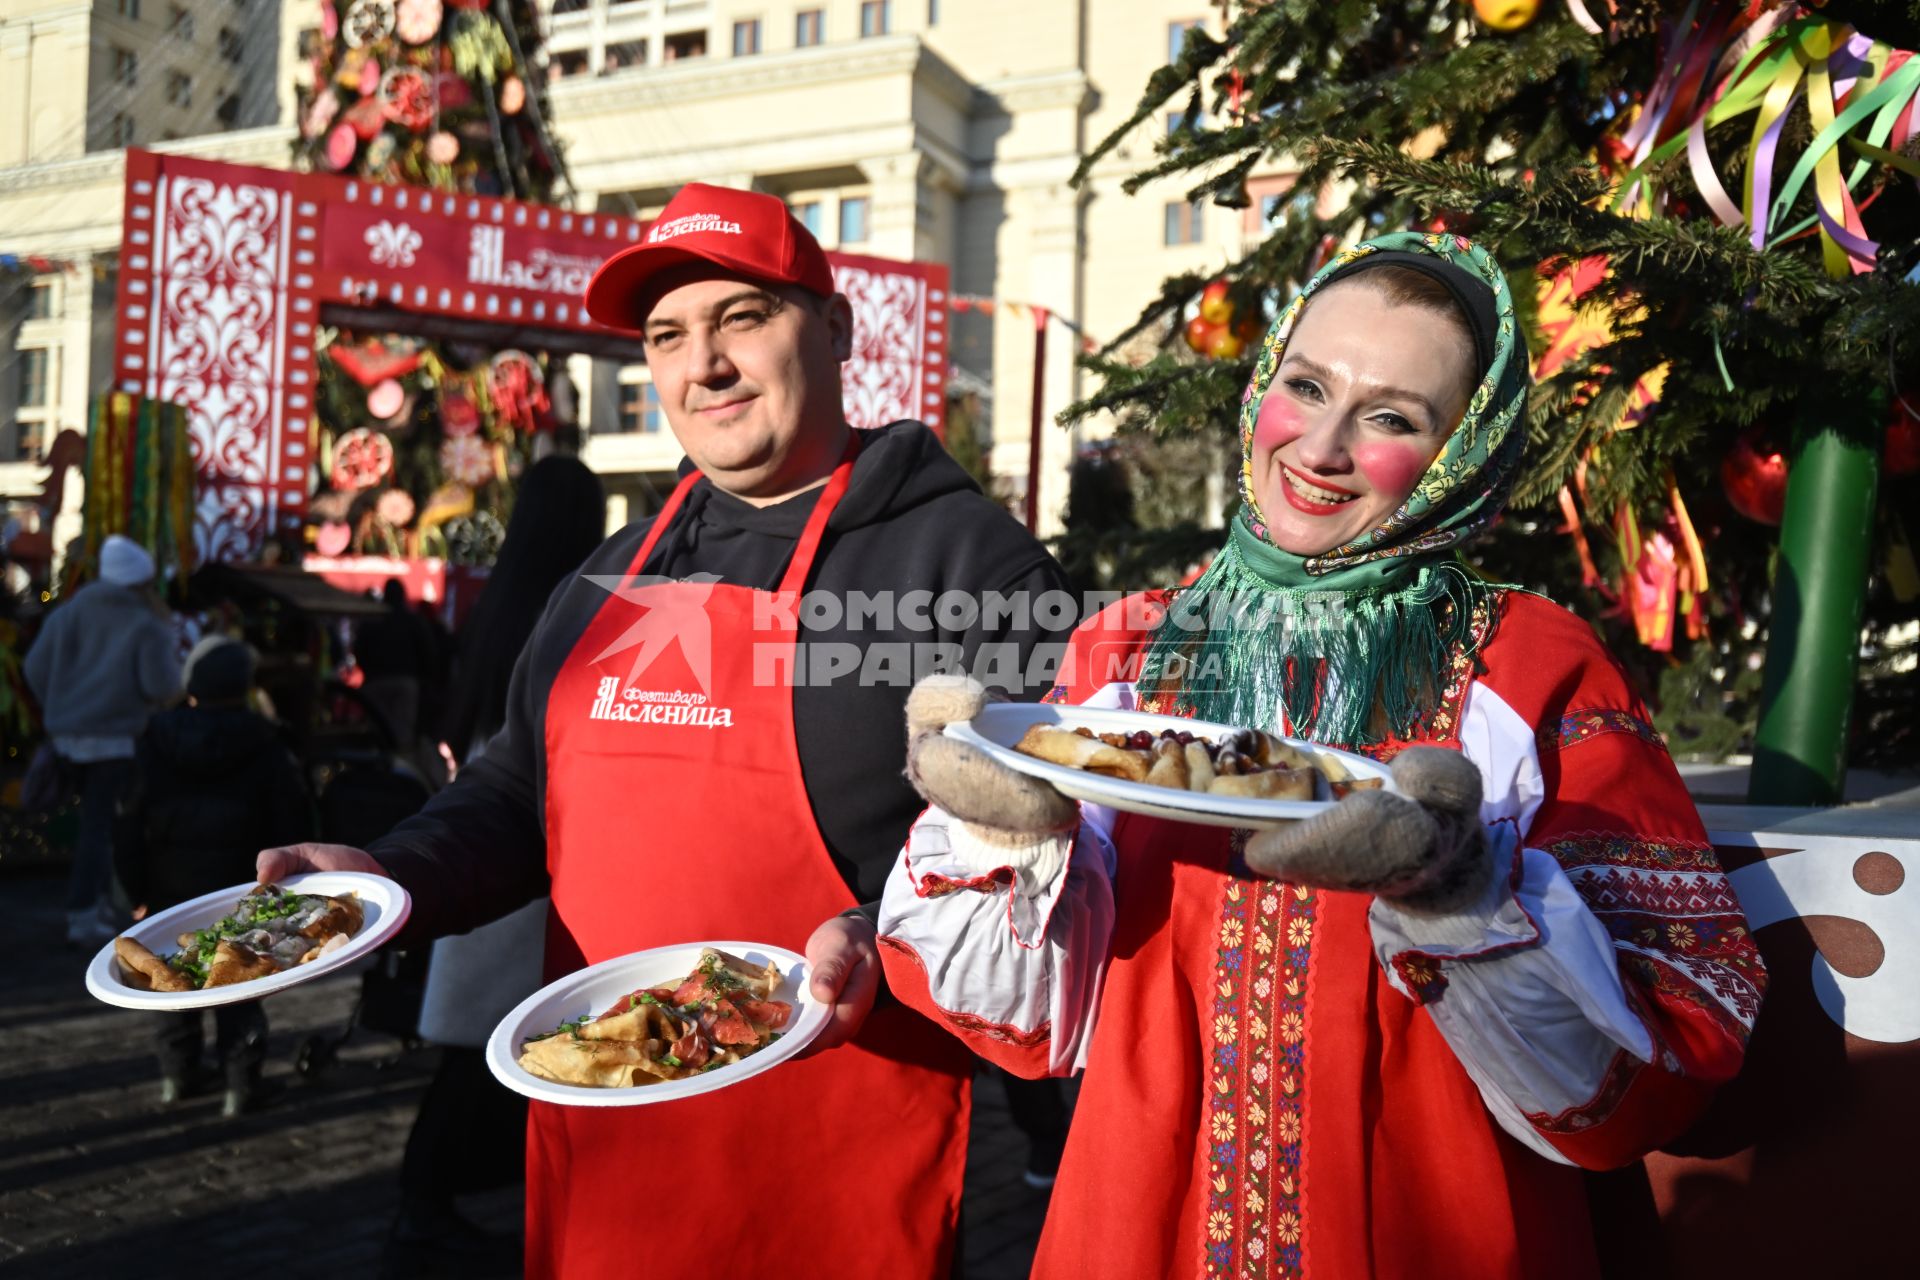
column 227, row 271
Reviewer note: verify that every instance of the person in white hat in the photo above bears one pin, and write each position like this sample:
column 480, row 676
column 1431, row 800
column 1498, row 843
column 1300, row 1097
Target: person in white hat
column 104, row 661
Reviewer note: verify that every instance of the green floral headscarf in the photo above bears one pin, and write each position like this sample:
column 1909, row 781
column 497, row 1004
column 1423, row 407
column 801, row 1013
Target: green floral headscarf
column 1352, row 644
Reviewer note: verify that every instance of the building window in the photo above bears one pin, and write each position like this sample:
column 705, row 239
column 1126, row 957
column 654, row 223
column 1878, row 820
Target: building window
column 571, row 63
column 179, row 89
column 568, row 6
column 875, row 18
column 808, row 214
column 127, row 8
column 33, row 377
column 687, row 44
column 230, row 44
column 746, row 37
column 40, row 301
column 125, row 66
column 179, row 22
column 639, row 408
column 623, row 54
column 809, row 28
column 229, row 111
column 308, row 47
column 1177, row 37
column 1184, row 222
column 123, row 130
column 26, row 441
column 853, row 219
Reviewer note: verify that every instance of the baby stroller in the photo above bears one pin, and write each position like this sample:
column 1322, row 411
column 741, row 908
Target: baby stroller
column 365, row 788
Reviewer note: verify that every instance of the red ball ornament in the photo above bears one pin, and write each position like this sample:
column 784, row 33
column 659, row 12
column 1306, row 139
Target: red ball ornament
column 1200, row 333
column 1215, row 306
column 1226, row 345
column 1901, row 453
column 1754, row 475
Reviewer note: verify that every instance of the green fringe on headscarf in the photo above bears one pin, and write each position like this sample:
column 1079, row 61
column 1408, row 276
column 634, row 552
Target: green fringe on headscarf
column 1350, row 667
column 1353, row 647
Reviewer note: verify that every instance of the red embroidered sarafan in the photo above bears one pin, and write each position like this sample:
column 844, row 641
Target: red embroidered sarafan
column 1262, row 1101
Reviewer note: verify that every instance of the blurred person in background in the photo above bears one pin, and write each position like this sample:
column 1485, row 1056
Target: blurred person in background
column 104, row 662
column 211, row 782
column 471, row 1132
column 396, row 653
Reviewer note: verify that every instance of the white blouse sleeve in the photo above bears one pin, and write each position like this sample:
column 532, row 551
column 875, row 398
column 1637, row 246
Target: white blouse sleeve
column 1525, row 984
column 1013, row 941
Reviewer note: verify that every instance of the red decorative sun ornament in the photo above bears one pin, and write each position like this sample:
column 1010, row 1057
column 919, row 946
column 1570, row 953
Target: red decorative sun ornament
column 361, row 459
column 407, row 97
column 467, row 459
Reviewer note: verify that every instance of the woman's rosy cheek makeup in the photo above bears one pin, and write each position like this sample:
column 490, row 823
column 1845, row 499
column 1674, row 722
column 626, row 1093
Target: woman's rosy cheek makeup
column 1279, row 423
column 1391, row 466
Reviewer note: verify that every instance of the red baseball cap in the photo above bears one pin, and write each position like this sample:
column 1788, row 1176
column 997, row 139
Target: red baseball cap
column 745, row 231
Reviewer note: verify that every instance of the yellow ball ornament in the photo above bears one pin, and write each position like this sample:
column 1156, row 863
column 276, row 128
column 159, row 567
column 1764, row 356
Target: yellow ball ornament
column 1506, row 16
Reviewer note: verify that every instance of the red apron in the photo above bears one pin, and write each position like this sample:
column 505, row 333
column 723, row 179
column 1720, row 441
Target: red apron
column 676, row 813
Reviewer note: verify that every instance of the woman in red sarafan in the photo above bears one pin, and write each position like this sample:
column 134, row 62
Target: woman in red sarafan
column 1385, row 1041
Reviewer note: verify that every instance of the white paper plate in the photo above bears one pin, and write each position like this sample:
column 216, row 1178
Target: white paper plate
column 594, row 989
column 1002, row 724
column 384, row 903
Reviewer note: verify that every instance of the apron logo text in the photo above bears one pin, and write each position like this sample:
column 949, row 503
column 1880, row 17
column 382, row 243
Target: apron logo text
column 656, row 706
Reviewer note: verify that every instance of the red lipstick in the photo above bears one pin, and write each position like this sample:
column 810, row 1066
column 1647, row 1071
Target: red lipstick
column 1301, row 504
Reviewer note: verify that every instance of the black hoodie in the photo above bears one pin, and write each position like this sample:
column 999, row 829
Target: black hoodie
column 212, row 786
column 911, row 520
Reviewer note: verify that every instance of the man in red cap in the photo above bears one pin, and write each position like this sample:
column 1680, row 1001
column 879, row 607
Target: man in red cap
column 702, row 742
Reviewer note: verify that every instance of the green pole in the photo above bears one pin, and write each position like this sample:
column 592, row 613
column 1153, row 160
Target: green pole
column 1819, row 595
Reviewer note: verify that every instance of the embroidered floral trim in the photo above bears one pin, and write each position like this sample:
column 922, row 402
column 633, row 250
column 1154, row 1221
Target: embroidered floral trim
column 1578, row 849
column 1674, row 920
column 1256, row 1072
column 1057, row 694
column 1576, row 727
column 935, row 885
column 1444, row 723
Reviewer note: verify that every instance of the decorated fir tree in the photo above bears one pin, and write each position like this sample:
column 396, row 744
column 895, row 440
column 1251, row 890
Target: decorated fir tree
column 1711, row 206
column 419, row 441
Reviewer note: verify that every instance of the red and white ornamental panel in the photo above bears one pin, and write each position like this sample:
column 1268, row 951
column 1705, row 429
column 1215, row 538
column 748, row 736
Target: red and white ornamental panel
column 224, row 267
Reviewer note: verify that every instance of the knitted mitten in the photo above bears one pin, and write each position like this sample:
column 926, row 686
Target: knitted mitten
column 999, row 807
column 1424, row 849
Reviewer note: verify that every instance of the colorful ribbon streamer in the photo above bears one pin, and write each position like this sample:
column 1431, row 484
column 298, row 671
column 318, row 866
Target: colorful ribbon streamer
column 1860, row 95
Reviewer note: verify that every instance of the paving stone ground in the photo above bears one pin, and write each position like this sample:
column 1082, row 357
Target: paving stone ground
column 97, row 1181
